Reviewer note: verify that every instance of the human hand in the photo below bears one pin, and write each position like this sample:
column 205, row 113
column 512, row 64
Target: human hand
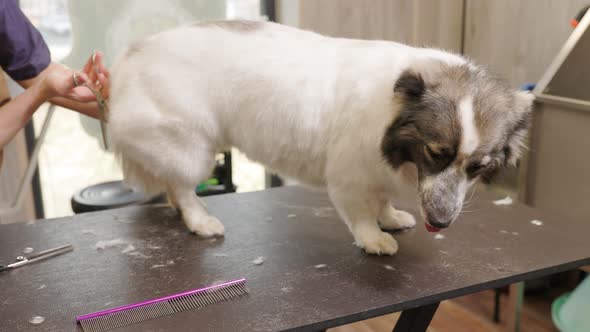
column 98, row 74
column 61, row 81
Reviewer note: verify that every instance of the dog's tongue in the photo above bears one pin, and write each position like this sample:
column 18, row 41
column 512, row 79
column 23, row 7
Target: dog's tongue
column 431, row 228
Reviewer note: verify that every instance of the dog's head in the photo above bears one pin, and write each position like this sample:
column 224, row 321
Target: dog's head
column 457, row 124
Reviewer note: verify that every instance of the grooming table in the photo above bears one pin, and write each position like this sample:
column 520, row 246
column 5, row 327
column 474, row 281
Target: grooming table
column 294, row 229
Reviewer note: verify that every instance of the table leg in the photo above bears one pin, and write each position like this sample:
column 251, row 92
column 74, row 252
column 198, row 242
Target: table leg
column 417, row 319
column 497, row 294
column 515, row 300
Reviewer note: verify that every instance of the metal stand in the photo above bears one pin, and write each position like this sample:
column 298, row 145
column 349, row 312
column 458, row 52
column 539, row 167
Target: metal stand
column 515, row 302
column 417, row 319
column 31, row 167
column 497, row 294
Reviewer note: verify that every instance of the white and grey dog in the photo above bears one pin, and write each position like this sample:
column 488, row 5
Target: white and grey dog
column 343, row 114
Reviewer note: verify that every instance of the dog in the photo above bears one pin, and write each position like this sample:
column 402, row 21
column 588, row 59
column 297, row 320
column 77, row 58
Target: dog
column 341, row 114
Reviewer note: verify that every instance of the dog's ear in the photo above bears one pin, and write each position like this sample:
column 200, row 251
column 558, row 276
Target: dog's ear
column 410, row 86
column 398, row 142
column 516, row 138
column 401, row 137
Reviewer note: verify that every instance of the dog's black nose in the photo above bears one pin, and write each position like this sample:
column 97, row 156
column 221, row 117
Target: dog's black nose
column 438, row 224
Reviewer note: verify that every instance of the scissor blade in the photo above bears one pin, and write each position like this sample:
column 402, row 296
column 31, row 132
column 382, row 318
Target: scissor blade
column 51, row 252
column 103, row 110
column 103, row 129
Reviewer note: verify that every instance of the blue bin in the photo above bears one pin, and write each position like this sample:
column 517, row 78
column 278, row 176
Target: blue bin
column 571, row 311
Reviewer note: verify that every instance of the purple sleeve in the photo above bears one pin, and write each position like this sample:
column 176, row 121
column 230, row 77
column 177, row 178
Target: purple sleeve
column 23, row 52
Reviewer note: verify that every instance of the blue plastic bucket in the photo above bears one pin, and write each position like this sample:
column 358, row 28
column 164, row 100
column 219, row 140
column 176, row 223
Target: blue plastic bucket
column 571, row 311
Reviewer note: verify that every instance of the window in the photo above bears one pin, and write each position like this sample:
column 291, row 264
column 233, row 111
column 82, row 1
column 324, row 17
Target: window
column 72, row 157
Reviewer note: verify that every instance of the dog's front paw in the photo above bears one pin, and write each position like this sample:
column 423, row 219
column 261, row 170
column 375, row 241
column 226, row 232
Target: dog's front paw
column 206, row 226
column 392, row 219
column 374, row 241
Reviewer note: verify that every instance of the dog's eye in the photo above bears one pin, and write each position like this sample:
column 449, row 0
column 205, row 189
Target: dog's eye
column 475, row 169
column 486, row 170
column 438, row 158
column 431, row 154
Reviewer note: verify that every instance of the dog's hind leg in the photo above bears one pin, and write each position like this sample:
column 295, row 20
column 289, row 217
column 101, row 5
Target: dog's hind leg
column 194, row 213
column 171, row 198
column 180, row 178
column 169, row 139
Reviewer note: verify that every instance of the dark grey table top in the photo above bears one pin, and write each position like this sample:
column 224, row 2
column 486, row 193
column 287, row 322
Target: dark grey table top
column 295, row 230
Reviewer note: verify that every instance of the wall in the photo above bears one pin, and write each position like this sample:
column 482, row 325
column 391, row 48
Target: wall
column 421, row 22
column 518, row 39
column 557, row 177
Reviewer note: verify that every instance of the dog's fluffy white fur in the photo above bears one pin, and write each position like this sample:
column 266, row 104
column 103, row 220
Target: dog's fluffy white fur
column 306, row 106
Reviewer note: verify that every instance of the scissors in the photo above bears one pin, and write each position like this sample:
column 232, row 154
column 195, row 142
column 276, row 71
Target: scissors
column 103, row 110
column 24, row 260
column 103, row 106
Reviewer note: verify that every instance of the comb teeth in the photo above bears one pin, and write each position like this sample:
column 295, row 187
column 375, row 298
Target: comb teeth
column 126, row 317
column 130, row 314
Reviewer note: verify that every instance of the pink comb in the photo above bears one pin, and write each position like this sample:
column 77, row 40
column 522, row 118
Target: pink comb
column 133, row 313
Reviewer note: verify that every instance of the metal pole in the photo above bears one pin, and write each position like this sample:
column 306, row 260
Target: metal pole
column 31, row 167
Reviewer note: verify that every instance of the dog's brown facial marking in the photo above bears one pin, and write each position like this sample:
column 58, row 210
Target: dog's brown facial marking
column 426, row 131
column 457, row 124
